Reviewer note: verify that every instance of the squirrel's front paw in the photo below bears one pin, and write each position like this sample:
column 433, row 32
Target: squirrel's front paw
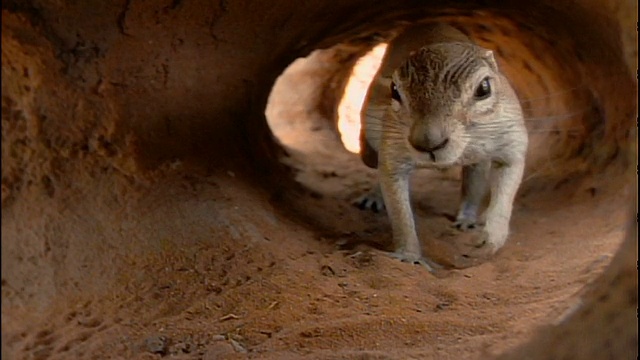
column 371, row 201
column 487, row 241
column 465, row 223
column 467, row 218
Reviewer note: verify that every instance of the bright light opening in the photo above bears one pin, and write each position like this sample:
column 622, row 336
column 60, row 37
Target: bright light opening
column 354, row 94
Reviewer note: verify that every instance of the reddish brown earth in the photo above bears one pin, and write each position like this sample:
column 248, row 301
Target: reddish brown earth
column 262, row 282
column 145, row 216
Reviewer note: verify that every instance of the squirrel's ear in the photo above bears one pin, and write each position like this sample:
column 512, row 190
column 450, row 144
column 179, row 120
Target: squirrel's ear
column 491, row 60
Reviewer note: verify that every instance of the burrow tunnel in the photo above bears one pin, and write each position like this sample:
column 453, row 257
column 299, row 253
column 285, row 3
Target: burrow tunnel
column 177, row 180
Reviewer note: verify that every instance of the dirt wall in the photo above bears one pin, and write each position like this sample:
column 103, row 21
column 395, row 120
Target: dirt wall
column 146, row 210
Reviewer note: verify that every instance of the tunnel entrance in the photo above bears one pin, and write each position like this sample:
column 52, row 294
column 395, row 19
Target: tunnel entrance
column 104, row 255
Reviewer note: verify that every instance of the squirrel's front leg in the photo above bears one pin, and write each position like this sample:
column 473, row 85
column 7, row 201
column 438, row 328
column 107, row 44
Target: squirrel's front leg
column 394, row 183
column 474, row 185
column 505, row 181
column 394, row 168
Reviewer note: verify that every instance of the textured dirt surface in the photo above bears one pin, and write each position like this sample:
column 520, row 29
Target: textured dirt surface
column 144, row 214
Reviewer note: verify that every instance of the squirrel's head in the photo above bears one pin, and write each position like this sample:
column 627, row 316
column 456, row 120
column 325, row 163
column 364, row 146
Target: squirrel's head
column 441, row 93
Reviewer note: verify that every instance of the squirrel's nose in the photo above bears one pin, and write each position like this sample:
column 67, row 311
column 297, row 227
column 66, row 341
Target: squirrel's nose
column 428, row 148
column 426, row 143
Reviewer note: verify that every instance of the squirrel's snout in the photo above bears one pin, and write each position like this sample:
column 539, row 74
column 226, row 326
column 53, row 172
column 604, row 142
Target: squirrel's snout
column 428, row 141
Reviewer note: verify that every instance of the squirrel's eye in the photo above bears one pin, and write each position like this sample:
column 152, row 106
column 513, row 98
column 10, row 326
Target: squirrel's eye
column 395, row 95
column 483, row 90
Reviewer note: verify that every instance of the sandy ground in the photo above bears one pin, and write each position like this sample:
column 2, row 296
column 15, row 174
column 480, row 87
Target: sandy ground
column 282, row 289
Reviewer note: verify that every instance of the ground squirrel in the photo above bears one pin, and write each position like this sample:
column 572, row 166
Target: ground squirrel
column 438, row 100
